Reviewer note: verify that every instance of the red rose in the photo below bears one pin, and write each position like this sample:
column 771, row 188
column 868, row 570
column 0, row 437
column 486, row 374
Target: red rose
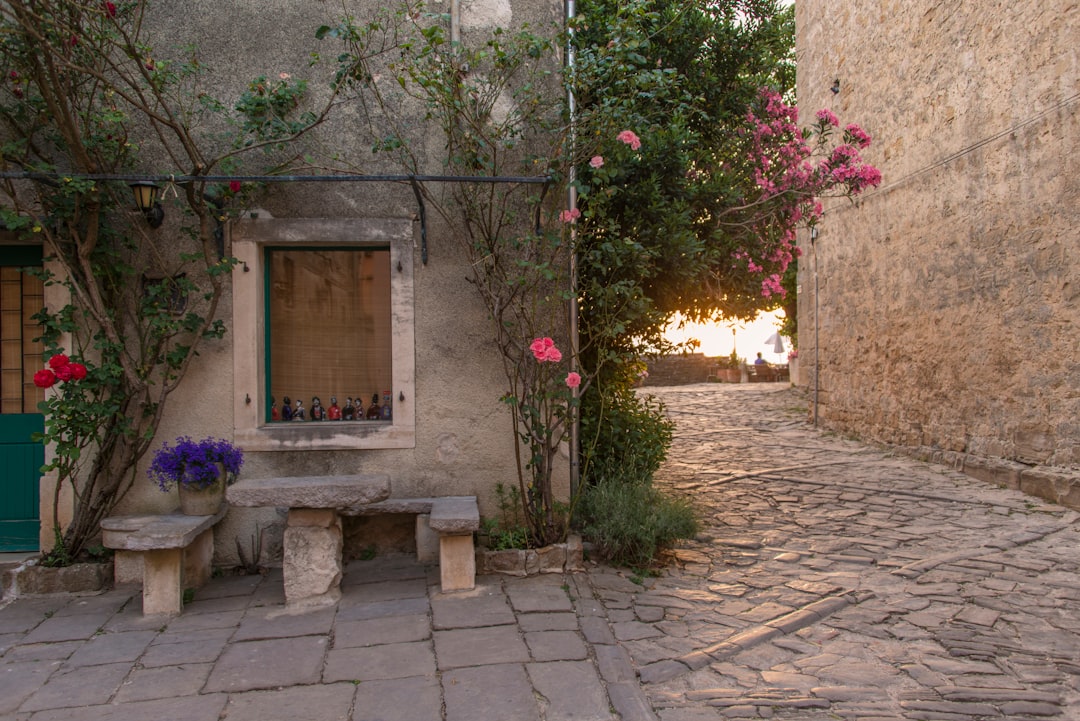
column 78, row 371
column 44, row 378
column 110, row 9
column 58, row 361
column 64, row 373
column 234, row 186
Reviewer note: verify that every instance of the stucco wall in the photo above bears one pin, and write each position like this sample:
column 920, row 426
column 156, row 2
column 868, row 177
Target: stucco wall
column 463, row 440
column 948, row 297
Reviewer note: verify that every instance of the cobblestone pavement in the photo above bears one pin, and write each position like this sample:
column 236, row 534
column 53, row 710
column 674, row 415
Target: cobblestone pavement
column 834, row 580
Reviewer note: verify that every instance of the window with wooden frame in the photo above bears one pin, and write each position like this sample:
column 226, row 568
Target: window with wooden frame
column 323, row 313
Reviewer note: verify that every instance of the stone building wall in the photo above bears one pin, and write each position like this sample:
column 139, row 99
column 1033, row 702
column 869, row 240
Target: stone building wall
column 458, row 441
column 947, row 298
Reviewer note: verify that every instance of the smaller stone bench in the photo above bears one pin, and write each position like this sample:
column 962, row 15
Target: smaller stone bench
column 312, row 543
column 174, row 551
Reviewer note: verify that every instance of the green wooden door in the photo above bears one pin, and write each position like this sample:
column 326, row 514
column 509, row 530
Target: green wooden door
column 21, row 296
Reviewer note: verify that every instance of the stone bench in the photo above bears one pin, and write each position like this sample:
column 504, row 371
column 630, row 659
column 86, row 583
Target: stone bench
column 312, row 543
column 167, row 552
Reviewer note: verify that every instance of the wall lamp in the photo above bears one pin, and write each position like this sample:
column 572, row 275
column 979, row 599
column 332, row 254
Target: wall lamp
column 146, row 200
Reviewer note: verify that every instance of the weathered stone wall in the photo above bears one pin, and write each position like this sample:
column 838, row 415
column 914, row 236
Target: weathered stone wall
column 680, row 370
column 948, row 297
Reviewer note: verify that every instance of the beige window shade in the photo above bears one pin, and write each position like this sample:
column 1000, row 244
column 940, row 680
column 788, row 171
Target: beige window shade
column 330, row 323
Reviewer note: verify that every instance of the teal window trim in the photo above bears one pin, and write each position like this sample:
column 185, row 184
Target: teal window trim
column 19, row 255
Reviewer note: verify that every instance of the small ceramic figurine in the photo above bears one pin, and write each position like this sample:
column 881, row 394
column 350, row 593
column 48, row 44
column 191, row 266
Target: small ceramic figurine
column 373, row 412
column 286, row 409
column 299, row 413
column 359, row 408
column 333, row 413
column 348, row 413
column 318, row 413
column 275, row 414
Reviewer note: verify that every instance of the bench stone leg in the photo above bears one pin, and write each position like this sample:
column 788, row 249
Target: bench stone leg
column 457, row 563
column 162, row 589
column 312, row 557
column 427, row 540
column 198, row 558
column 127, row 567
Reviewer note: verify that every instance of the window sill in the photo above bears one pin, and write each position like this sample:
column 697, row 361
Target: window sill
column 325, row 436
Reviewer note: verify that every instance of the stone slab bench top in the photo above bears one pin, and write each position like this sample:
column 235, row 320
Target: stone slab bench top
column 455, row 515
column 310, row 491
column 153, row 532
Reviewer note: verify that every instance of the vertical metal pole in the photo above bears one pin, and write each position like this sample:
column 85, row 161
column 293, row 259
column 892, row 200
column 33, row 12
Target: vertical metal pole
column 817, row 324
column 455, row 22
column 571, row 201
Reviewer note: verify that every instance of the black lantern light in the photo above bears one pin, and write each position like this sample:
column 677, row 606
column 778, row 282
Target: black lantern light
column 146, row 200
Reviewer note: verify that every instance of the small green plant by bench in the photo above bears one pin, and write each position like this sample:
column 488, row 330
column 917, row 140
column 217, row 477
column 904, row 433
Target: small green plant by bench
column 508, row 531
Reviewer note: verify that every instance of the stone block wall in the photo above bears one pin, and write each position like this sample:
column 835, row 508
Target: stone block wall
column 678, row 370
column 948, row 298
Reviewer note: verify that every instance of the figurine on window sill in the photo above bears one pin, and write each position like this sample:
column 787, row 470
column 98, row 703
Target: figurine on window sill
column 286, row 409
column 318, row 413
column 333, row 413
column 275, row 414
column 349, row 412
column 373, row 411
column 299, row 413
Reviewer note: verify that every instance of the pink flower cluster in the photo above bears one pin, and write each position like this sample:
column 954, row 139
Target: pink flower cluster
column 60, row 369
column 789, row 178
column 569, row 216
column 628, row 137
column 545, row 351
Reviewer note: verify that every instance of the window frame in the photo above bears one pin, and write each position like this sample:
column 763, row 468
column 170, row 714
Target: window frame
column 250, row 236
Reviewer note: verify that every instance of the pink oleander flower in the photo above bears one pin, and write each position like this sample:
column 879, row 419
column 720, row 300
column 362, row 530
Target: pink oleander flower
column 856, row 135
column 771, row 286
column 573, row 380
column 628, row 137
column 569, row 216
column 597, row 161
column 826, row 116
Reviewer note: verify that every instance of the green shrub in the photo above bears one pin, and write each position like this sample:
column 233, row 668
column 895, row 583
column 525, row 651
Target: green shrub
column 631, row 522
column 625, row 437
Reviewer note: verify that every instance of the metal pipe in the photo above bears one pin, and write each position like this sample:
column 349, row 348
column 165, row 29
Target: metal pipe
column 455, row 21
column 571, row 201
column 817, row 324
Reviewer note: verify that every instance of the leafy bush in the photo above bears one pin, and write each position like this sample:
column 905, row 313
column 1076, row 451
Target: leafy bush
column 626, row 438
column 631, row 522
